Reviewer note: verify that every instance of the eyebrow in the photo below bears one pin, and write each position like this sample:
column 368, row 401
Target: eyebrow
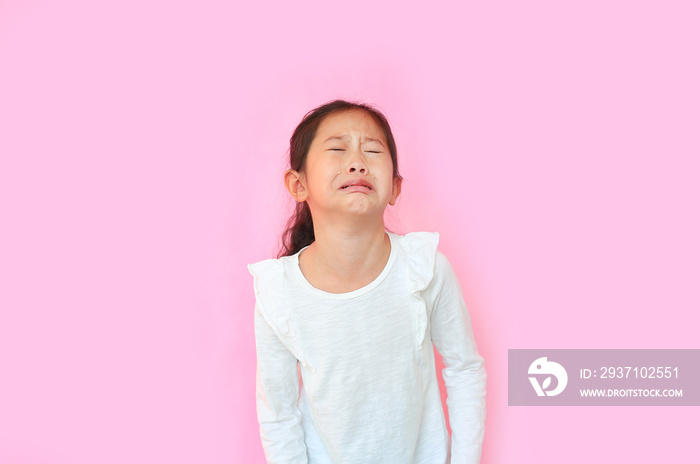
column 344, row 138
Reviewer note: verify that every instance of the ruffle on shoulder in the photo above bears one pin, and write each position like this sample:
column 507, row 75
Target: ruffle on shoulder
column 270, row 295
column 420, row 249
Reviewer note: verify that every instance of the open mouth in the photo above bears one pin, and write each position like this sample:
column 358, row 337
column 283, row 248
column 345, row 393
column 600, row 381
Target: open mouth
column 356, row 185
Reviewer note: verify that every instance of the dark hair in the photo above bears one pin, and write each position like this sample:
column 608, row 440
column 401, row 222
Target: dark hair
column 299, row 231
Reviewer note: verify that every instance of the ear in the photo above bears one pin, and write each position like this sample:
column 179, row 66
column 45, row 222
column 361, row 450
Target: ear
column 395, row 191
column 296, row 185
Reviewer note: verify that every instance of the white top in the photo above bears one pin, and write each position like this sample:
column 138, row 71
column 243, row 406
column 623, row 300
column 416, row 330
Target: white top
column 369, row 388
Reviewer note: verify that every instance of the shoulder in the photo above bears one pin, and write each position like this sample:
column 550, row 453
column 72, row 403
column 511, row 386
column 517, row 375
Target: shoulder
column 428, row 266
column 419, row 247
column 418, row 241
column 268, row 270
column 269, row 279
column 426, row 244
column 420, row 253
column 265, row 267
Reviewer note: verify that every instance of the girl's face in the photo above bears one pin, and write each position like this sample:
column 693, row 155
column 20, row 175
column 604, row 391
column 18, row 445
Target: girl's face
column 349, row 167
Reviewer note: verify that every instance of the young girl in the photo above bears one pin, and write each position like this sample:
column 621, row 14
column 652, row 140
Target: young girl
column 347, row 316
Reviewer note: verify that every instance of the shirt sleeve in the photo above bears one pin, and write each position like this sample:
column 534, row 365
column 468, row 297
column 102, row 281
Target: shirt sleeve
column 277, row 393
column 464, row 372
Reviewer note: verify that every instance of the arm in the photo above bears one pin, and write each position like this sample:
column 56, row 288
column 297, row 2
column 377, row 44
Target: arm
column 277, row 392
column 464, row 373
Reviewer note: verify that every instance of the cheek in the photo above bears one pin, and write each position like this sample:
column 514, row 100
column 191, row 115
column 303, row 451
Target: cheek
column 385, row 169
column 320, row 175
column 384, row 180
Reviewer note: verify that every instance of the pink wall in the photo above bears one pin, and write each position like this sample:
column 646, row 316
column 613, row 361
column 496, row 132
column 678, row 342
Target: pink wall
column 554, row 147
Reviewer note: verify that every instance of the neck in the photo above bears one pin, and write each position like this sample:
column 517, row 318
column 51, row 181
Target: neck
column 349, row 251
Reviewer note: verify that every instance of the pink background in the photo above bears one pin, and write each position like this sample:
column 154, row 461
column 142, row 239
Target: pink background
column 553, row 145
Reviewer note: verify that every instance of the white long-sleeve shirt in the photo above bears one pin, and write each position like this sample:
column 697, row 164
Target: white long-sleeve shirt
column 368, row 391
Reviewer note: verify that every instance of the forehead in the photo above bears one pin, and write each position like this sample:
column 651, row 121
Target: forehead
column 348, row 123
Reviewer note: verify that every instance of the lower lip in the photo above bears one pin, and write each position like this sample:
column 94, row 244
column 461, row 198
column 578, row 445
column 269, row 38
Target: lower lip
column 356, row 188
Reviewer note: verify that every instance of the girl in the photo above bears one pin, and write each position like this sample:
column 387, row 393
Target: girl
column 347, row 315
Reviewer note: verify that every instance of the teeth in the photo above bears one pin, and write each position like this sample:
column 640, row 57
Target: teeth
column 365, row 186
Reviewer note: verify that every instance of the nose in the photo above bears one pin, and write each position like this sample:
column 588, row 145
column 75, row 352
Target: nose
column 357, row 162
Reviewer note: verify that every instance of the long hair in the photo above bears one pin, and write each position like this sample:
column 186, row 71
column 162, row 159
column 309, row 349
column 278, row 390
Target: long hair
column 299, row 231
